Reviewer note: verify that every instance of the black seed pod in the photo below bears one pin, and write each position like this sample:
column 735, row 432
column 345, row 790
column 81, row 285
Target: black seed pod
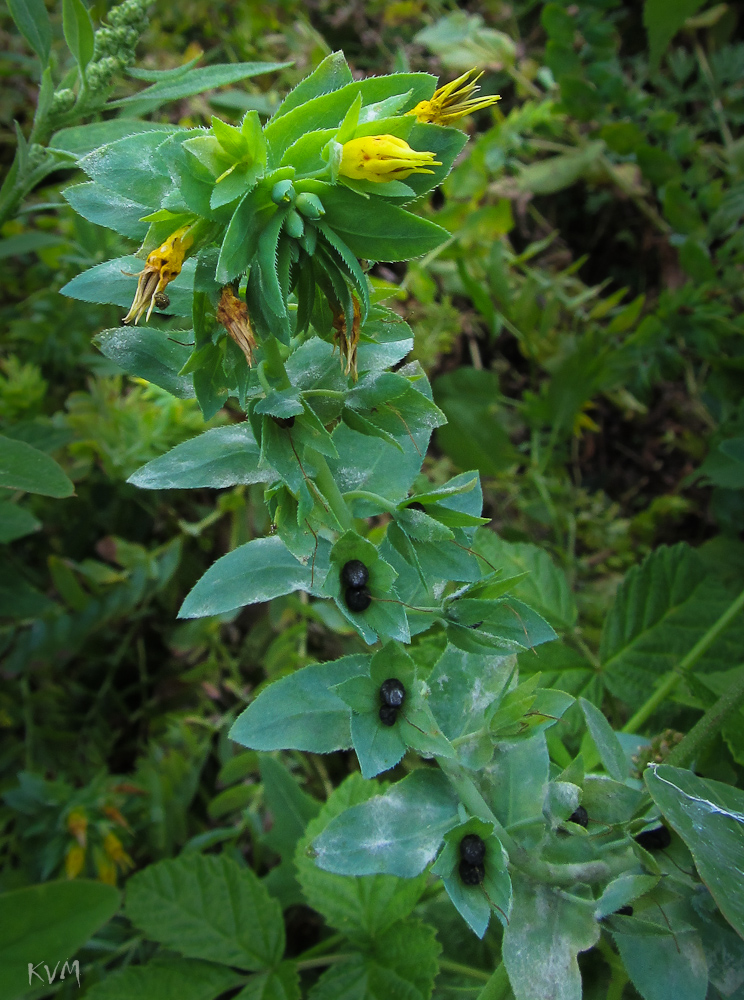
column 357, row 598
column 472, row 849
column 392, row 692
column 625, row 911
column 580, row 816
column 654, row 840
column 162, row 301
column 472, row 874
column 354, row 574
column 388, row 715
column 286, row 422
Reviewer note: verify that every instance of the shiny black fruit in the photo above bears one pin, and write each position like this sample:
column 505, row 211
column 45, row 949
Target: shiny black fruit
column 392, row 692
column 388, row 715
column 580, row 816
column 471, row 874
column 654, row 840
column 354, row 574
column 472, row 849
column 357, row 598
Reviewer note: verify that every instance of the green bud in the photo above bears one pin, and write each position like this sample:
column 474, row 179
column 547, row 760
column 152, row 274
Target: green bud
column 310, row 205
column 283, row 192
column 294, row 225
column 63, row 100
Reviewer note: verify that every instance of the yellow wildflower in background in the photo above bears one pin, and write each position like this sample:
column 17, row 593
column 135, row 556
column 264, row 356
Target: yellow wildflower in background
column 115, row 850
column 161, row 267
column 453, row 101
column 383, row 158
column 74, row 860
column 77, row 825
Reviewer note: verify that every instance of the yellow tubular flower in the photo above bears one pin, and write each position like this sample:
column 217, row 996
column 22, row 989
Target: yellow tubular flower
column 77, row 824
column 382, row 158
column 74, row 860
column 233, row 315
column 453, row 101
column 115, row 850
column 161, row 267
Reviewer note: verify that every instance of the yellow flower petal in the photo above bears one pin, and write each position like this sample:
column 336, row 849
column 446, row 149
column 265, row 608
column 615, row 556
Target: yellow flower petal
column 453, row 101
column 382, row 158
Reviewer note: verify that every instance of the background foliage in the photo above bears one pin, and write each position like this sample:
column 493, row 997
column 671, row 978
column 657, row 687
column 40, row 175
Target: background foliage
column 582, row 331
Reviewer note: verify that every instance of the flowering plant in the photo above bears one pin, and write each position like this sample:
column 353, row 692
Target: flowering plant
column 263, row 237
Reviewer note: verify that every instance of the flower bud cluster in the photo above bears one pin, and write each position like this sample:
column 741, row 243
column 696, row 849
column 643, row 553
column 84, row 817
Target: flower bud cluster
column 115, row 44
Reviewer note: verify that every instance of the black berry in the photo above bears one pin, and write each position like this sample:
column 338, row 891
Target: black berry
column 388, row 715
column 625, row 911
column 472, row 849
column 357, row 598
column 417, row 506
column 285, row 422
column 580, row 816
column 354, row 574
column 654, row 840
column 472, row 874
column 392, row 692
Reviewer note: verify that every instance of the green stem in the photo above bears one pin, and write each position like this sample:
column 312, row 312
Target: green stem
column 672, row 679
column 328, row 487
column 275, row 362
column 706, row 728
column 464, row 970
column 322, row 960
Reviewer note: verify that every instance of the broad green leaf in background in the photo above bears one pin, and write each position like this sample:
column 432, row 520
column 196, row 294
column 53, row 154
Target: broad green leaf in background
column 608, row 746
column 260, row 570
column 545, row 588
column 32, row 20
column 660, row 611
column 150, row 354
column 546, row 931
column 362, row 907
column 397, row 833
column 196, row 81
column 25, row 468
column 208, row 906
column 663, row 20
column 221, row 457
column 301, row 711
column 16, row 522
column 291, row 808
column 709, row 817
column 668, row 967
column 48, row 923
column 167, row 978
column 78, row 31
column 475, row 437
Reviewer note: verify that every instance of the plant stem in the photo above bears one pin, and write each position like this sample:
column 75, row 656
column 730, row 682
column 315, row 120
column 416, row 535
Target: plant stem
column 465, row 970
column 274, row 361
column 322, row 960
column 706, row 728
column 672, row 679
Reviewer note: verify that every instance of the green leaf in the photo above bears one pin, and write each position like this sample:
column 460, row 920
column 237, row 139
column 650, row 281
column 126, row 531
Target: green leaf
column 709, row 817
column 82, row 139
column 78, row 31
column 16, row 522
column 364, row 907
column 301, row 711
column 115, row 282
column 545, row 588
column 260, row 570
column 282, row 983
column 150, row 354
column 291, row 808
column 218, row 458
column 546, row 931
column 662, row 21
column 516, row 778
column 623, row 890
column 608, row 745
column 196, row 81
column 32, row 20
column 668, row 967
column 558, row 172
column 208, row 906
column 109, row 208
column 25, row 468
column 167, row 978
column 331, row 74
column 378, row 747
column 475, row 436
column 397, row 833
column 241, row 237
column 379, row 230
column 48, row 923
column 660, row 611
